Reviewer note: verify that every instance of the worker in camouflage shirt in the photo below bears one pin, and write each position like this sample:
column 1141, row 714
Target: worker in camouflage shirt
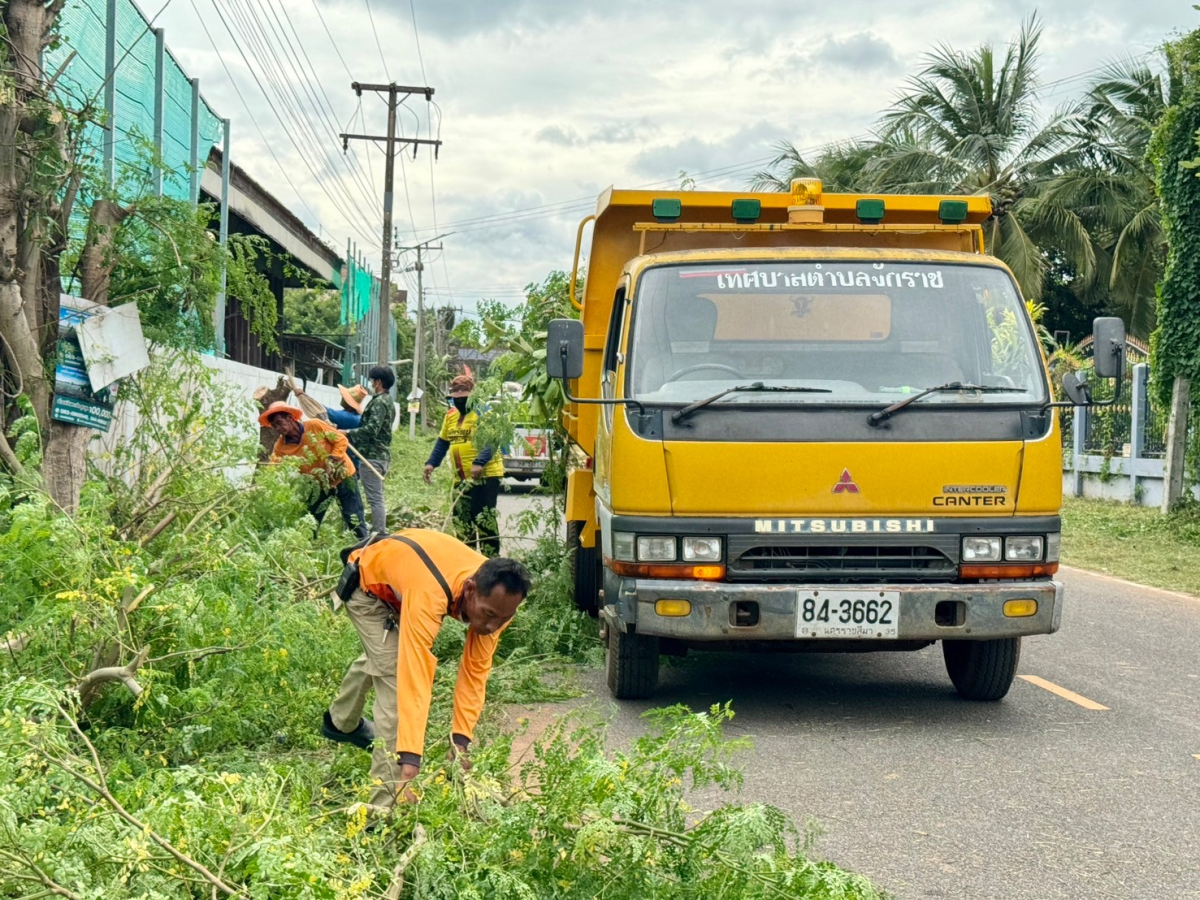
column 373, row 439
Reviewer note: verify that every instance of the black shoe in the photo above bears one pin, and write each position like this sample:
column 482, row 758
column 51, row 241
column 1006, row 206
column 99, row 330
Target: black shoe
column 363, row 736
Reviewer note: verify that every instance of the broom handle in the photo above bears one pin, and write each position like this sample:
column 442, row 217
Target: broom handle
column 366, row 462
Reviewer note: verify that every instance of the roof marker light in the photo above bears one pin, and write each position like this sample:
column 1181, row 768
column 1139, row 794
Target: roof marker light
column 746, row 210
column 952, row 212
column 870, row 212
column 666, row 210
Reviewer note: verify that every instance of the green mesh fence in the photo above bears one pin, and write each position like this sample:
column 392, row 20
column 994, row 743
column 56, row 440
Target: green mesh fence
column 361, row 307
column 82, row 30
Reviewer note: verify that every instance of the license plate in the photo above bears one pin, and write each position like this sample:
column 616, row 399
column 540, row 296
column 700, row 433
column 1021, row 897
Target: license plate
column 848, row 615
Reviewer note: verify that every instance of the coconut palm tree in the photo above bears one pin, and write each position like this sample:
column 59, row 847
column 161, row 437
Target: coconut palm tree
column 1112, row 189
column 969, row 123
column 840, row 166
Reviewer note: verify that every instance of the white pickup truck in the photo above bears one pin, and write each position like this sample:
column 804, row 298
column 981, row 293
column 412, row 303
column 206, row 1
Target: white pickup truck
column 526, row 457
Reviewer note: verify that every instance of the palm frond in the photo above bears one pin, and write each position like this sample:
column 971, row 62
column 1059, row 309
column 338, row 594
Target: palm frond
column 1058, row 226
column 1021, row 255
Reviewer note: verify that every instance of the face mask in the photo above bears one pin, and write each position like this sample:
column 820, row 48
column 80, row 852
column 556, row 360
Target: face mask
column 460, row 403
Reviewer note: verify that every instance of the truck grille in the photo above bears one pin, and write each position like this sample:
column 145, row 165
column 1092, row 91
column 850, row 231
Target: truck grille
column 843, row 562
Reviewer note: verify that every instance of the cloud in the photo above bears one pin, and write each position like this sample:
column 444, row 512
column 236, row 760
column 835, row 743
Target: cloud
column 862, row 52
column 556, row 134
column 458, row 18
column 696, row 155
column 545, row 103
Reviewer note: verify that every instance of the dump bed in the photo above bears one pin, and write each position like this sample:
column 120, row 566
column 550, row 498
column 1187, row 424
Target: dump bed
column 631, row 224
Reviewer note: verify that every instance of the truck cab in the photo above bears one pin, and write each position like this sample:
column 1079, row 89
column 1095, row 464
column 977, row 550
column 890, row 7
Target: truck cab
column 809, row 422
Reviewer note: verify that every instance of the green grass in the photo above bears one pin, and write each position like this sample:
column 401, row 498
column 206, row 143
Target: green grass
column 1133, row 542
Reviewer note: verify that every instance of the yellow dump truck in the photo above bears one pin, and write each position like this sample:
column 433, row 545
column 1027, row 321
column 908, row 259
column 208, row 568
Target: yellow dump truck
column 810, row 421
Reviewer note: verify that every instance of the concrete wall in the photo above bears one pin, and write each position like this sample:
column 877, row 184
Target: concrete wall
column 241, row 379
column 1130, row 479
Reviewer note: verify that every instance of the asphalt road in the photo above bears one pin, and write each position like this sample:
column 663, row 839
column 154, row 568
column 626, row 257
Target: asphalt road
column 933, row 796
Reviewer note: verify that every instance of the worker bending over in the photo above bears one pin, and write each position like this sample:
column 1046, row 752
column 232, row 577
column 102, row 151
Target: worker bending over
column 323, row 458
column 407, row 584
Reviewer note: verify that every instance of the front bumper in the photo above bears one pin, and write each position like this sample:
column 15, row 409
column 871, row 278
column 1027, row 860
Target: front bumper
column 711, row 617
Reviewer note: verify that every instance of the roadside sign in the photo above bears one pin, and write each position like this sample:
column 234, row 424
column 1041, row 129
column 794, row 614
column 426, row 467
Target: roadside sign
column 414, row 406
column 74, row 401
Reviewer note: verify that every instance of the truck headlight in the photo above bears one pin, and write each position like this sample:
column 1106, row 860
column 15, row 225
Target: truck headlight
column 1023, row 549
column 981, row 549
column 702, row 549
column 623, row 546
column 656, row 549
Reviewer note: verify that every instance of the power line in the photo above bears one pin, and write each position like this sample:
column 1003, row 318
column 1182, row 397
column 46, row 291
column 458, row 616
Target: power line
column 312, row 169
column 264, row 52
column 250, row 115
column 382, row 58
column 329, row 34
column 417, row 37
column 330, row 118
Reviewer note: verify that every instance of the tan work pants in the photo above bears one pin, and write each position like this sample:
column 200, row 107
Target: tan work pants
column 376, row 668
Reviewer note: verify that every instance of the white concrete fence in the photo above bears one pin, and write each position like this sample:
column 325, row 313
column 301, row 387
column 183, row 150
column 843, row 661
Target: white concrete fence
column 241, row 379
column 1132, row 472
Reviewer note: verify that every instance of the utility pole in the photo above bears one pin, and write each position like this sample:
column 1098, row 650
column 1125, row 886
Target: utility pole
column 391, row 143
column 418, row 392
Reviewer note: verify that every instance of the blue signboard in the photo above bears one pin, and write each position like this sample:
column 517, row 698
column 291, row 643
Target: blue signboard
column 74, row 401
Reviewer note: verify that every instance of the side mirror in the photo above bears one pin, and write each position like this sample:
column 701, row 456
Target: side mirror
column 1076, row 389
column 1108, row 344
column 564, row 348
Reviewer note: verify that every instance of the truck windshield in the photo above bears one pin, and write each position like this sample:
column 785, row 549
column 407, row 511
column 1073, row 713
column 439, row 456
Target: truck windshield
column 866, row 332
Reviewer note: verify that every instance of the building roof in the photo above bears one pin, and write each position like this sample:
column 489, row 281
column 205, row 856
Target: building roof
column 257, row 205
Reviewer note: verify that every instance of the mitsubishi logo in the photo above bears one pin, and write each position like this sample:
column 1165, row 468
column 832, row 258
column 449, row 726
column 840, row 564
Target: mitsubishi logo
column 845, row 484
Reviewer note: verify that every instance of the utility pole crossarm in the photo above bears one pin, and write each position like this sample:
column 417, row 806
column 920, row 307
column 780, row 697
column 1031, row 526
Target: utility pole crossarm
column 383, row 137
column 358, row 88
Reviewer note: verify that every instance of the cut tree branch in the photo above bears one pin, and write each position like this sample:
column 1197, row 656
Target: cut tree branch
column 99, row 787
column 125, row 674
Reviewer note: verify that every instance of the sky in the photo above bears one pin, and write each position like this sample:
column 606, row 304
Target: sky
column 541, row 104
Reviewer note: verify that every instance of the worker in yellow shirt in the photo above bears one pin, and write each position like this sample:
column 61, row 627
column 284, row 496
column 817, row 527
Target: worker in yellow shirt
column 477, row 472
column 323, row 456
column 407, row 584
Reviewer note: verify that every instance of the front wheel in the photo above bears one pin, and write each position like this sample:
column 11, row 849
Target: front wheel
column 585, row 567
column 982, row 670
column 632, row 664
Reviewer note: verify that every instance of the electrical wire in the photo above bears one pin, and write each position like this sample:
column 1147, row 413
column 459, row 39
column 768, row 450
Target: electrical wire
column 297, row 145
column 417, row 37
column 250, row 115
column 327, row 112
column 264, row 52
column 329, row 34
column 382, row 58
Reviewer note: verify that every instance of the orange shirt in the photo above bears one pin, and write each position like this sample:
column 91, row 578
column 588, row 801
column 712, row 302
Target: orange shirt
column 392, row 570
column 319, row 444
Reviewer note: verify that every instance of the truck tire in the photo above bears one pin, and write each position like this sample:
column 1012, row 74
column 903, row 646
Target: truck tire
column 632, row 665
column 585, row 568
column 982, row 670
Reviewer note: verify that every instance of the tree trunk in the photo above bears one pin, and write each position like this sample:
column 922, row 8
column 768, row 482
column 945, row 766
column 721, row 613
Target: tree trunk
column 30, row 127
column 1177, row 426
column 64, row 464
column 265, row 396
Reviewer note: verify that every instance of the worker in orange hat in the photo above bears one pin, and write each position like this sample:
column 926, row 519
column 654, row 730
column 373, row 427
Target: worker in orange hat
column 323, row 456
column 477, row 471
column 407, row 584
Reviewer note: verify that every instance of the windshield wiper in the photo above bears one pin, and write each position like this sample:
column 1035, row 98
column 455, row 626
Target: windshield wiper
column 876, row 417
column 681, row 414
